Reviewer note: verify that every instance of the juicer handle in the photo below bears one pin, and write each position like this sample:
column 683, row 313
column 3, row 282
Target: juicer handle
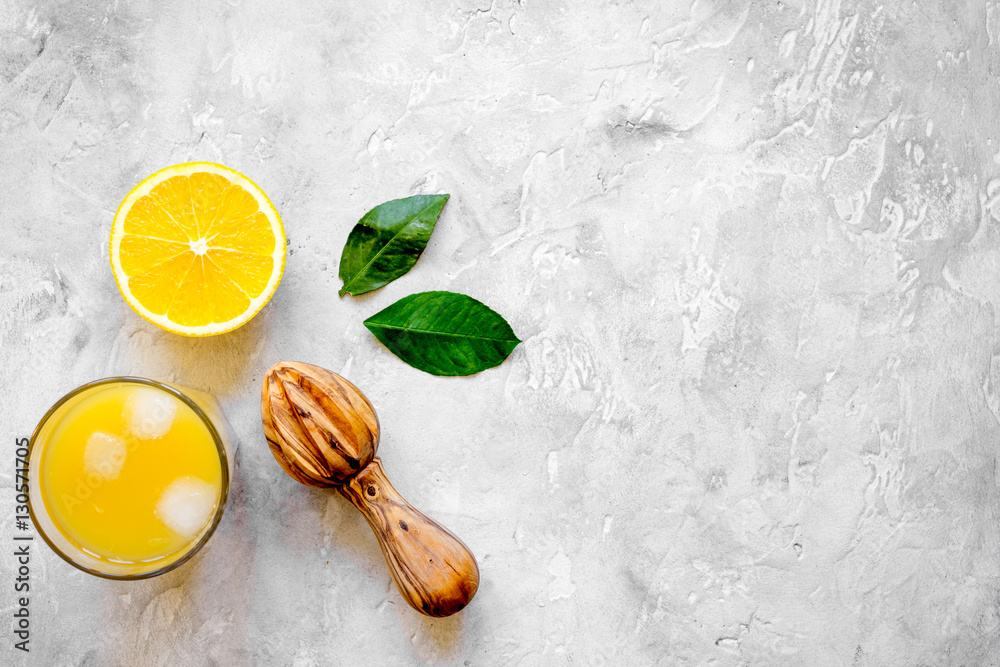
column 434, row 571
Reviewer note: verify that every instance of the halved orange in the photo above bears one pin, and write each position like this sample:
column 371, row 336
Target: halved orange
column 197, row 249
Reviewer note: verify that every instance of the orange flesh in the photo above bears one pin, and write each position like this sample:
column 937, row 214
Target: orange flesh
column 197, row 249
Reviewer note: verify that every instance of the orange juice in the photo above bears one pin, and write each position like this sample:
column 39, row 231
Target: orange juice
column 130, row 474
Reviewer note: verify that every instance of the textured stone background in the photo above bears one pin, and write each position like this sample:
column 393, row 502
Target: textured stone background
column 752, row 249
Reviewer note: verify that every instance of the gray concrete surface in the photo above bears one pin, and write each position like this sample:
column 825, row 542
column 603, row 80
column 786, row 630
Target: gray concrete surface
column 752, row 249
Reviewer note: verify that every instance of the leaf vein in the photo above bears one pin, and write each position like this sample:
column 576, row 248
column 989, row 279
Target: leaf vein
column 440, row 333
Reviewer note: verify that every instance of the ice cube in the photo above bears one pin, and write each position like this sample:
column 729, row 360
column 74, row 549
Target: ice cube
column 149, row 413
column 186, row 505
column 103, row 455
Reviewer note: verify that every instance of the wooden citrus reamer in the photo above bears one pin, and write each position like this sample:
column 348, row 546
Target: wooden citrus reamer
column 324, row 432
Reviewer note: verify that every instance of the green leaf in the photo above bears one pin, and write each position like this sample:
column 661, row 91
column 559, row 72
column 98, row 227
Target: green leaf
column 387, row 242
column 443, row 333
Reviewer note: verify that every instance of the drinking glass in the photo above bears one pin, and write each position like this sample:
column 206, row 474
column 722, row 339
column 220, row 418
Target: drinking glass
column 205, row 407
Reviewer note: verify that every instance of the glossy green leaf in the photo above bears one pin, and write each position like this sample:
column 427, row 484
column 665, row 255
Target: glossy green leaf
column 444, row 333
column 387, row 242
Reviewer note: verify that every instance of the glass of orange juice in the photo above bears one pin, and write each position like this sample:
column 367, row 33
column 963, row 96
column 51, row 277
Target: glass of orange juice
column 128, row 477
